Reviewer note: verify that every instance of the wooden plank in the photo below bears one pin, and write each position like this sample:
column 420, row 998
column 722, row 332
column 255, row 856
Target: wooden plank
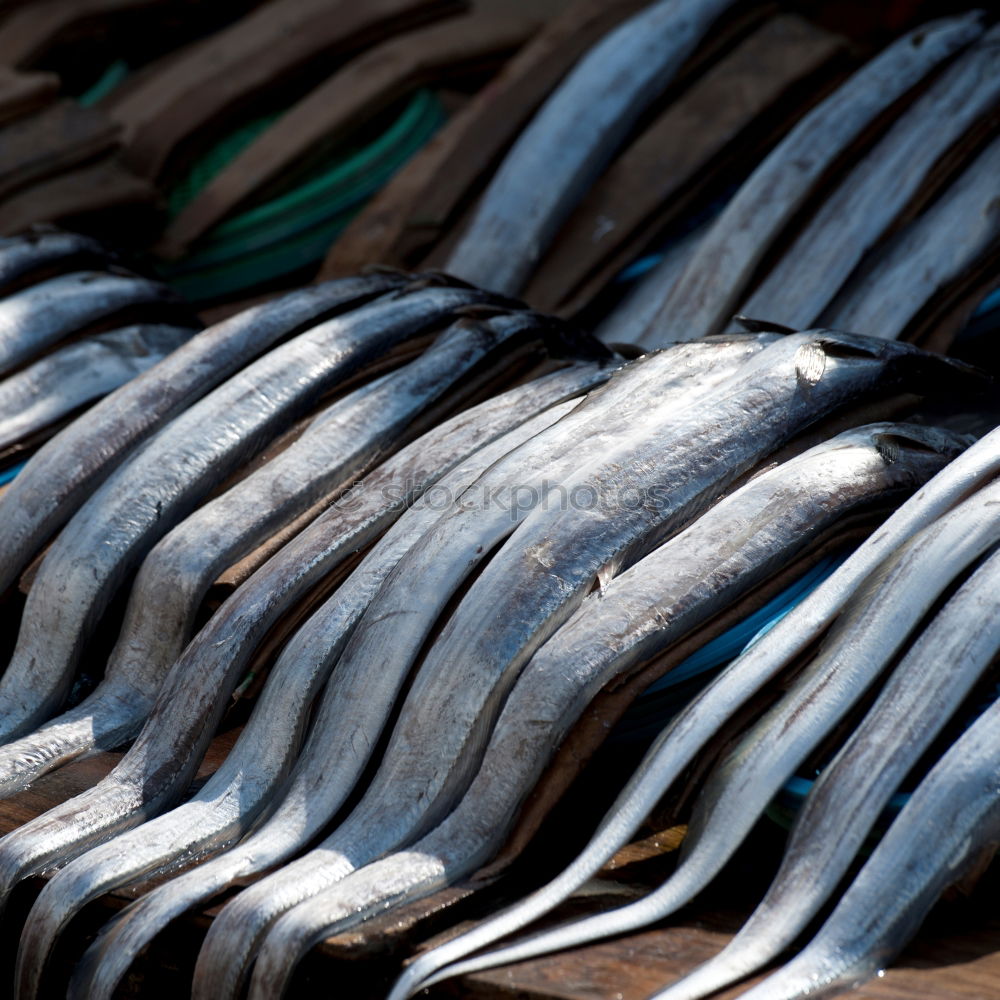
column 422, row 201
column 759, row 89
column 54, row 140
column 283, row 42
column 28, row 33
column 22, row 93
column 366, row 86
column 94, row 189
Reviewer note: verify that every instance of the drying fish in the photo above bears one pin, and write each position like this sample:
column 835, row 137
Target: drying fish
column 160, row 485
column 318, row 787
column 542, row 572
column 224, row 809
column 66, row 470
column 954, row 241
column 31, row 321
column 47, row 391
column 710, row 288
column 24, row 259
column 571, row 139
column 950, row 823
column 924, row 691
column 956, row 109
column 165, row 598
column 688, row 733
column 737, row 545
column 856, row 651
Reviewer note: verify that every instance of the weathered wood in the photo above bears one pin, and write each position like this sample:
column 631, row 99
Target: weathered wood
column 22, row 93
column 30, row 31
column 364, row 87
column 719, row 119
column 56, row 139
column 419, row 204
column 99, row 187
column 283, row 42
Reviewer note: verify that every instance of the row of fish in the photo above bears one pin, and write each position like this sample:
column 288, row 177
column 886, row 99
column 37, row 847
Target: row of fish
column 443, row 609
column 432, row 526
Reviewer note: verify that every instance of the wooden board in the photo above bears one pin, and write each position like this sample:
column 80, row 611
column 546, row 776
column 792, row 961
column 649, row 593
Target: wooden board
column 284, row 42
column 362, row 89
column 51, row 141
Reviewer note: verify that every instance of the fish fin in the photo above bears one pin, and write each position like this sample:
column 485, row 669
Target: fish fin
column 761, row 325
column 810, row 363
column 887, row 445
column 607, row 573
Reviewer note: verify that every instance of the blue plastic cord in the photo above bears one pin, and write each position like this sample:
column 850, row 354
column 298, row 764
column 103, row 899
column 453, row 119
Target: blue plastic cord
column 7, row 475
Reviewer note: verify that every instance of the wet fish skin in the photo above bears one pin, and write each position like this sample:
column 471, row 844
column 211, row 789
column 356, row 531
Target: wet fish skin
column 171, row 474
column 664, row 597
column 677, row 746
column 923, row 692
column 877, row 190
column 32, row 320
column 951, row 819
column 395, row 626
column 72, row 376
column 226, row 806
column 24, row 258
column 418, row 777
column 63, row 473
column 571, row 139
column 734, row 797
column 710, row 287
column 920, row 260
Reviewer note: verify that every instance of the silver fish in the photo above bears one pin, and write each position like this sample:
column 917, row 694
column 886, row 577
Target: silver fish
column 735, row 546
column 66, row 470
column 866, row 203
column 399, row 619
column 47, row 391
column 529, row 587
column 950, row 821
column 677, row 746
column 573, row 137
column 24, row 259
column 31, row 321
column 860, row 645
column 928, row 686
column 224, row 809
column 894, row 292
column 710, row 288
column 173, row 579
column 171, row 474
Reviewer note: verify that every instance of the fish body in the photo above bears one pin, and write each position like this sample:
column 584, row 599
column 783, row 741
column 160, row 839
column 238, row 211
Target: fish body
column 233, row 796
column 530, row 586
column 571, row 139
column 63, row 473
column 56, row 385
column 173, row 472
column 922, row 693
column 33, row 320
column 712, row 284
column 732, row 548
column 24, row 259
